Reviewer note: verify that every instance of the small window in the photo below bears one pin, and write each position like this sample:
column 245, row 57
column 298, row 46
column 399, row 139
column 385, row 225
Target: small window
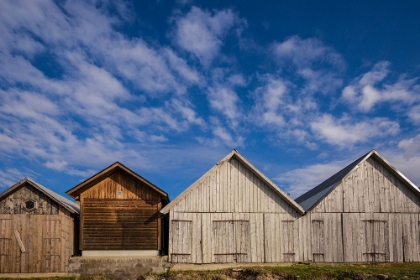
column 30, row 205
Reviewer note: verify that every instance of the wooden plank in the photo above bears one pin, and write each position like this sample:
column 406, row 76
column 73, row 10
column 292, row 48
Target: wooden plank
column 19, row 241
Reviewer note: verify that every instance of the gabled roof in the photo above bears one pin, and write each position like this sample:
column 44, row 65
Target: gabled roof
column 67, row 204
column 74, row 192
column 314, row 196
column 237, row 155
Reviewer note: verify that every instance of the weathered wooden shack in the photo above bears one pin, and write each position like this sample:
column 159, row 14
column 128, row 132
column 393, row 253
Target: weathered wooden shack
column 37, row 229
column 233, row 213
column 119, row 214
column 367, row 212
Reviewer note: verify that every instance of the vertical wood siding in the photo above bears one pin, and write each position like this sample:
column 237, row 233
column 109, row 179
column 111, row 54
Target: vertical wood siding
column 231, row 215
column 47, row 239
column 371, row 188
column 377, row 215
column 371, row 216
column 232, row 187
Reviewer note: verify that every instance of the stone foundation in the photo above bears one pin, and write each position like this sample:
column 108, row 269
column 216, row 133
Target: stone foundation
column 118, row 268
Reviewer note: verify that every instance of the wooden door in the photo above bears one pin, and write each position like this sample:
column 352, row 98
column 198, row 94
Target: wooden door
column 230, row 241
column 318, row 241
column 6, row 245
column 376, row 240
column 181, row 240
column 51, row 245
column 288, row 242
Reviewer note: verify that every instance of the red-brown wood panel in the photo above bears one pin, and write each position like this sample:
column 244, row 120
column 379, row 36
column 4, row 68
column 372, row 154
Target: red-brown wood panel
column 123, row 224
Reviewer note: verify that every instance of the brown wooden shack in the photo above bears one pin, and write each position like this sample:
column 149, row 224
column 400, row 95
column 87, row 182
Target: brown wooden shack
column 37, row 229
column 119, row 214
column 233, row 213
column 367, row 212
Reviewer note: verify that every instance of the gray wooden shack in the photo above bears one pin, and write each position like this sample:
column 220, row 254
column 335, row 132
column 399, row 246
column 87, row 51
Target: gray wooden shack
column 38, row 229
column 233, row 213
column 367, row 212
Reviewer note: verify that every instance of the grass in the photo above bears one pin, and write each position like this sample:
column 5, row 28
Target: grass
column 301, row 271
column 298, row 271
column 95, row 277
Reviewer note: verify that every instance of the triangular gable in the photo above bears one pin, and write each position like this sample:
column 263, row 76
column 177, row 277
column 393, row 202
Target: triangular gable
column 75, row 192
column 314, row 196
column 238, row 156
column 67, row 204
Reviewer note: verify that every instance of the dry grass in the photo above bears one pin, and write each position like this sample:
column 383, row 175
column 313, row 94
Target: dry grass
column 301, row 271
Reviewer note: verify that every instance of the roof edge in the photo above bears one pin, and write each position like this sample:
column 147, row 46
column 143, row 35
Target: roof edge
column 117, row 164
column 235, row 153
column 72, row 207
column 360, row 160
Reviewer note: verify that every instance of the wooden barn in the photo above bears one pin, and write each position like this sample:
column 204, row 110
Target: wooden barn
column 233, row 213
column 367, row 212
column 37, row 229
column 119, row 214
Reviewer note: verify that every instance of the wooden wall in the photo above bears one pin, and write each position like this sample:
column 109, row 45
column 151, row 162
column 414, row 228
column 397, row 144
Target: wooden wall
column 231, row 215
column 372, row 216
column 13, row 204
column 231, row 187
column 371, row 188
column 120, row 213
column 38, row 241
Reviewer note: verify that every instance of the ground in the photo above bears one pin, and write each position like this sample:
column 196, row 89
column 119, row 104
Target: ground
column 297, row 271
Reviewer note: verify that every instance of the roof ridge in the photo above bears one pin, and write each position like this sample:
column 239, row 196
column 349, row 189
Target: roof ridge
column 249, row 165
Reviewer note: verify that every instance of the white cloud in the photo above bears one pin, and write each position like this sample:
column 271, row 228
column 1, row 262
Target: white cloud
column 409, row 161
column 181, row 66
column 202, row 32
column 87, row 115
column 226, row 101
column 9, row 177
column 221, row 137
column 318, row 64
column 372, row 88
column 411, row 146
column 305, row 52
column 303, row 179
column 344, row 131
column 270, row 102
column 414, row 114
column 59, row 165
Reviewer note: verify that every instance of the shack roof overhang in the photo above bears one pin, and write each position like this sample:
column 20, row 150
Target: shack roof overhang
column 88, row 183
column 66, row 203
column 244, row 161
column 314, row 196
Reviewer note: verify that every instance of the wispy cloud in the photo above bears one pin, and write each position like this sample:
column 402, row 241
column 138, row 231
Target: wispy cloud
column 303, row 179
column 201, row 32
column 319, row 65
column 344, row 131
column 371, row 88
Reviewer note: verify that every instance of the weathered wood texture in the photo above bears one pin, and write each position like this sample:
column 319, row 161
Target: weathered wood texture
column 232, row 237
column 15, row 202
column 47, row 235
column 370, row 188
column 231, row 215
column 120, row 212
column 371, row 216
column 231, row 187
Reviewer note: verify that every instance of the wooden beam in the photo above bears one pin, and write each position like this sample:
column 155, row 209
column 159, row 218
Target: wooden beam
column 19, row 241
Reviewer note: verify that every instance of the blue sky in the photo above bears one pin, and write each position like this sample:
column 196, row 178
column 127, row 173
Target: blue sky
column 168, row 88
